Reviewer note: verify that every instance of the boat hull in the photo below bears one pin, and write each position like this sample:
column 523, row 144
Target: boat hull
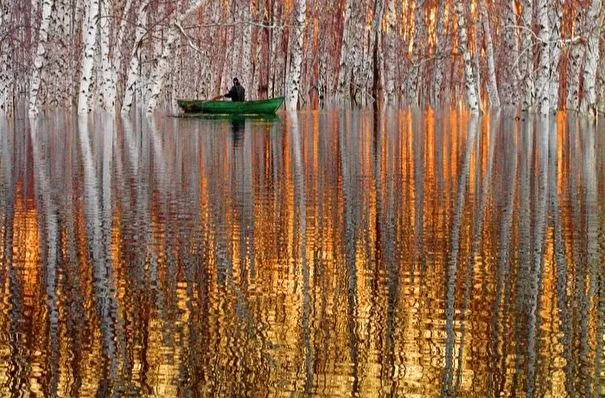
column 231, row 107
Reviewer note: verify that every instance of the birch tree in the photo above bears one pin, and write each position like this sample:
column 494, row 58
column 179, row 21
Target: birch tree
column 159, row 74
column 89, row 35
column 246, row 55
column 440, row 52
column 526, row 59
column 390, row 56
column 601, row 102
column 469, row 78
column 127, row 48
column 492, row 84
column 556, row 16
column 376, row 52
column 417, row 43
column 509, row 82
column 542, row 81
column 133, row 73
column 111, row 64
column 59, row 73
column 344, row 71
column 477, row 39
column 589, row 98
column 574, row 64
column 5, row 55
column 107, row 87
column 40, row 59
column 293, row 82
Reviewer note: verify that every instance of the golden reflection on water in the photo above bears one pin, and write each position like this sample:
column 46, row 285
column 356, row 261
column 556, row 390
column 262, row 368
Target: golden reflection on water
column 332, row 253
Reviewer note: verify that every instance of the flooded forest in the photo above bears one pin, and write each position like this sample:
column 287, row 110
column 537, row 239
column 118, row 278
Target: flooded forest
column 529, row 55
column 426, row 218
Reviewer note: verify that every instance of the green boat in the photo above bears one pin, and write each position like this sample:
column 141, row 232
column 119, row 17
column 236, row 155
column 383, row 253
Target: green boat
column 230, row 107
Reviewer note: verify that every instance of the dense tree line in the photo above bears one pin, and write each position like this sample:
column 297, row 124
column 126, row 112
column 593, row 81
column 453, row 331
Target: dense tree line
column 534, row 55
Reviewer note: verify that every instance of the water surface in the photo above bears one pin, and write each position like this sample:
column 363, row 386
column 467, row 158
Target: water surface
column 329, row 253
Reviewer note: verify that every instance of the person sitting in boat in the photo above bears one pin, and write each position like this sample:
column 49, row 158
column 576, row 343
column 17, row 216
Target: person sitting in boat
column 237, row 92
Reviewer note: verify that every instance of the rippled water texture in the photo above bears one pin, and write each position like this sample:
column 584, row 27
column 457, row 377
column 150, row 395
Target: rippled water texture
column 331, row 253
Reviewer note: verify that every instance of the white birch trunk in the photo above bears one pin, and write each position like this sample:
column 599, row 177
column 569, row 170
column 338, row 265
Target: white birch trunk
column 35, row 4
column 356, row 48
column 118, row 58
column 344, row 71
column 574, row 65
column 418, row 42
column 543, row 87
column 60, row 86
column 510, row 75
column 158, row 75
column 526, row 65
column 89, row 34
column 107, row 85
column 440, row 54
column 174, row 107
column 390, row 56
column 556, row 17
column 476, row 56
column 589, row 98
column 40, row 59
column 296, row 49
column 133, row 74
column 492, row 83
column 275, row 37
column 377, row 58
column 5, row 56
column 365, row 65
column 246, row 55
column 601, row 90
column 469, row 78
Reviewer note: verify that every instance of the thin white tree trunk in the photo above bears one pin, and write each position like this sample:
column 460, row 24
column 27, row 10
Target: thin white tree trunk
column 107, row 85
column 469, row 78
column 357, row 50
column 246, row 56
column 589, row 98
column 574, row 65
column 346, row 52
column 477, row 55
column 365, row 64
column 275, row 36
column 390, row 56
column 296, row 49
column 492, row 83
column 556, row 17
column 133, row 74
column 89, row 35
column 543, row 86
column 5, row 56
column 440, row 52
column 377, row 58
column 117, row 58
column 60, row 74
column 526, row 64
column 601, row 96
column 158, row 75
column 174, row 107
column 418, row 42
column 511, row 72
column 40, row 59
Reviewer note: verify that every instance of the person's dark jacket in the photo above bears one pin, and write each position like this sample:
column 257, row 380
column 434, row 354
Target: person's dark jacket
column 237, row 93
